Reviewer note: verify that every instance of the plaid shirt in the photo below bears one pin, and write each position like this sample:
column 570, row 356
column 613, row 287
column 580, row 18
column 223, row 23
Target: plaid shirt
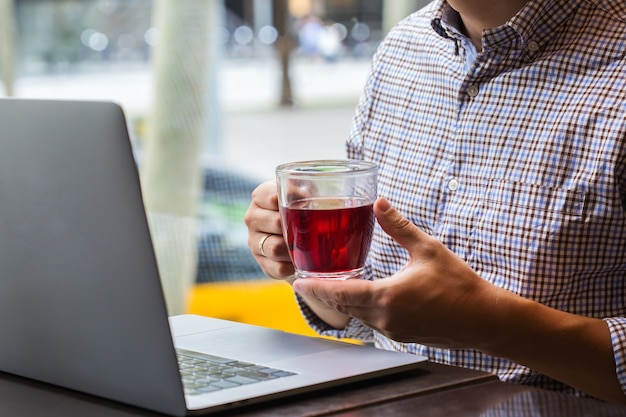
column 515, row 158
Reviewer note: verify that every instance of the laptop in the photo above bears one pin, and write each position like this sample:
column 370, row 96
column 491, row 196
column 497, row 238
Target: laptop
column 81, row 302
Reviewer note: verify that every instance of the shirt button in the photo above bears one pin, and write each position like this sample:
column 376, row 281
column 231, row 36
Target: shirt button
column 472, row 90
column 533, row 46
column 453, row 185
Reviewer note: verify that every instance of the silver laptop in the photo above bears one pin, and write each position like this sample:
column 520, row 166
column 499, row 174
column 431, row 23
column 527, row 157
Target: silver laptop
column 81, row 304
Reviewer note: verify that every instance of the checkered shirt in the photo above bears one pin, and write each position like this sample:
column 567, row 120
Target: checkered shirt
column 517, row 162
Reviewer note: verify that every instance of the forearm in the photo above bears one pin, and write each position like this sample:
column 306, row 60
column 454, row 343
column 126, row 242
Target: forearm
column 573, row 349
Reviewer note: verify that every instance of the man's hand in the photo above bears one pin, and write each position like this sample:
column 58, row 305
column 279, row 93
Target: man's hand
column 265, row 237
column 436, row 299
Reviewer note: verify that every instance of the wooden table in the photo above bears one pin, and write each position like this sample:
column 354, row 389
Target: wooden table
column 435, row 390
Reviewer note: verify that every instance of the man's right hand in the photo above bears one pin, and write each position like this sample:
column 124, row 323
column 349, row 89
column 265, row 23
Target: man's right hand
column 265, row 237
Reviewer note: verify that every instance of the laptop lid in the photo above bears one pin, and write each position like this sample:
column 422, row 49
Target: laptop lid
column 81, row 304
column 80, row 300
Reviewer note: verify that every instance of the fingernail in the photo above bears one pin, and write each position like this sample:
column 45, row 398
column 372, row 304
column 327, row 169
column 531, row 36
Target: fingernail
column 383, row 204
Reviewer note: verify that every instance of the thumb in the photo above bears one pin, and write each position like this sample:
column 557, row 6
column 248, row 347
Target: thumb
column 397, row 226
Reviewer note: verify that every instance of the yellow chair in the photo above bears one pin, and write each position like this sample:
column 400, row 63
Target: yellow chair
column 260, row 302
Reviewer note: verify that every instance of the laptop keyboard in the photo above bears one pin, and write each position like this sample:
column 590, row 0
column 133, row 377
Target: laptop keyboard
column 202, row 373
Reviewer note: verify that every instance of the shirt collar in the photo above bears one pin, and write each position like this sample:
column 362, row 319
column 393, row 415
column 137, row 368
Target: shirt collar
column 530, row 28
column 451, row 23
column 442, row 20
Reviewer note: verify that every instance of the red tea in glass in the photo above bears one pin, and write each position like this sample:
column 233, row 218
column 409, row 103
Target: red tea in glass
column 327, row 216
column 329, row 237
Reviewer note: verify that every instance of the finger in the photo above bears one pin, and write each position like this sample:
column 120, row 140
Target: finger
column 354, row 298
column 276, row 270
column 266, row 196
column 262, row 221
column 398, row 227
column 274, row 260
column 274, row 246
column 262, row 215
column 341, row 295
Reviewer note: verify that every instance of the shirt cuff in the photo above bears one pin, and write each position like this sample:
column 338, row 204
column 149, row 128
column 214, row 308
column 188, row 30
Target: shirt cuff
column 617, row 327
column 353, row 330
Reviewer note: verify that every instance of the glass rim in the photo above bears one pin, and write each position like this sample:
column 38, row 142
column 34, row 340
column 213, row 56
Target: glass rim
column 327, row 167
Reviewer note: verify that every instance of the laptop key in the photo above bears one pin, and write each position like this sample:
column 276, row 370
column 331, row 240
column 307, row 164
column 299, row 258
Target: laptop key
column 258, row 375
column 207, row 388
column 224, row 384
column 241, row 380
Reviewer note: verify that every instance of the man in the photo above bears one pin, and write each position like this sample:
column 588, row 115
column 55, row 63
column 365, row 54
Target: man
column 499, row 127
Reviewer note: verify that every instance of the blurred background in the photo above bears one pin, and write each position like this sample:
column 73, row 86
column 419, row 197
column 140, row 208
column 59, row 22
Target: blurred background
column 216, row 93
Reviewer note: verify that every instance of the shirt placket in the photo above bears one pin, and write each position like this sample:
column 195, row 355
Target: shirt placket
column 462, row 186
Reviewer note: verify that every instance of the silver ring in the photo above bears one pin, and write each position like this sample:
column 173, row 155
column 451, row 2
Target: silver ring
column 261, row 242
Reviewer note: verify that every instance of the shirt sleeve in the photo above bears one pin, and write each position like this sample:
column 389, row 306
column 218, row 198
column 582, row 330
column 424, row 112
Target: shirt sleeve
column 354, row 144
column 361, row 121
column 617, row 327
column 354, row 330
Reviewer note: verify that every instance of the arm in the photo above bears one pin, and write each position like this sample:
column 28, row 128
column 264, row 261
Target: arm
column 573, row 349
column 438, row 300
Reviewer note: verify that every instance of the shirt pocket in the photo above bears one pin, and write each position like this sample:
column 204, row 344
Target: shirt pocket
column 526, row 229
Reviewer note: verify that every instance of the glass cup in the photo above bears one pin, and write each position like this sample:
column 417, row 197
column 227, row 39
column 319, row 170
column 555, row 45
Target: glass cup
column 326, row 209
